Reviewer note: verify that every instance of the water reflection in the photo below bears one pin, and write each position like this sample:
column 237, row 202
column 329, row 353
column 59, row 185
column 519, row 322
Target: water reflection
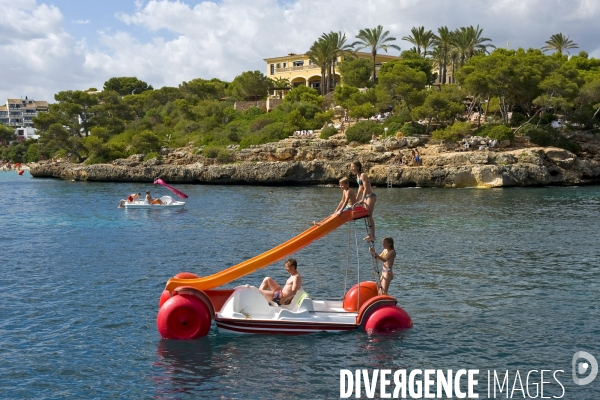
column 185, row 366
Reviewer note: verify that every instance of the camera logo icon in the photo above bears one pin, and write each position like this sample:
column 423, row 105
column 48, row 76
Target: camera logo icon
column 583, row 367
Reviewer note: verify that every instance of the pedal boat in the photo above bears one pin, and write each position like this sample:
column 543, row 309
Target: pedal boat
column 188, row 314
column 168, row 201
column 190, row 303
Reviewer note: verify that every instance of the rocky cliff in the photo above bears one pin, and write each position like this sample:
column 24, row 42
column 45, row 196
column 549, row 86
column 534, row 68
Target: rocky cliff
column 316, row 161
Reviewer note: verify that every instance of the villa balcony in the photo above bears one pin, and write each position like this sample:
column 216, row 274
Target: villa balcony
column 300, row 68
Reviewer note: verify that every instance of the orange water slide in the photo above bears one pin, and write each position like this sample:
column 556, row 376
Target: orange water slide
column 315, row 232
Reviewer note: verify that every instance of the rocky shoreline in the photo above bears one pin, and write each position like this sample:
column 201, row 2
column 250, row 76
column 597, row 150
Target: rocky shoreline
column 317, row 161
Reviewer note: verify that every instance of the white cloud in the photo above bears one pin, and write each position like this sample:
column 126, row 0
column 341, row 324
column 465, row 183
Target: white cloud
column 38, row 57
column 166, row 42
column 81, row 22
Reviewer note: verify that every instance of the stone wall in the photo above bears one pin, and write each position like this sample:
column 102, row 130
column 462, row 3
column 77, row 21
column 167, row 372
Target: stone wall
column 273, row 103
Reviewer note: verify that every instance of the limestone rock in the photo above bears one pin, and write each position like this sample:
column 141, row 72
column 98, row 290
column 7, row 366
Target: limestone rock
column 318, row 161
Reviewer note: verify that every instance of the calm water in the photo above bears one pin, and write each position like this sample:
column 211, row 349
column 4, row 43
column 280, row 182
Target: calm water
column 493, row 279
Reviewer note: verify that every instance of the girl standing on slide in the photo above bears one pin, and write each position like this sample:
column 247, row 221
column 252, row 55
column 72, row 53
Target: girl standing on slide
column 368, row 196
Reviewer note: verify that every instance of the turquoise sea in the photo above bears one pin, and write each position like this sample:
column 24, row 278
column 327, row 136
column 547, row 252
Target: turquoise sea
column 504, row 279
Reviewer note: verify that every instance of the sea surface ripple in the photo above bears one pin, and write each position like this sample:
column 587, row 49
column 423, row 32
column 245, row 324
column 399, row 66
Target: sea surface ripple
column 503, row 279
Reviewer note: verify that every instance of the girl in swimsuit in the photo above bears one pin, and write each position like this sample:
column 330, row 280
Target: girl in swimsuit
column 388, row 255
column 368, row 196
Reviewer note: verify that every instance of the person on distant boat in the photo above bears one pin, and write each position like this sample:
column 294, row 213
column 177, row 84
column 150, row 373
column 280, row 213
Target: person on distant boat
column 150, row 200
column 273, row 292
column 130, row 199
column 388, row 256
column 348, row 196
column 368, row 196
column 133, row 197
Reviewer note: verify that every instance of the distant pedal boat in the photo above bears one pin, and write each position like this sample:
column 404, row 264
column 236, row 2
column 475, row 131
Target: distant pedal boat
column 168, row 202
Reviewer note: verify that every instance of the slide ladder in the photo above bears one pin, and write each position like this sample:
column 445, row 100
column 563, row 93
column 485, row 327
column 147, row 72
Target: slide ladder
column 315, row 232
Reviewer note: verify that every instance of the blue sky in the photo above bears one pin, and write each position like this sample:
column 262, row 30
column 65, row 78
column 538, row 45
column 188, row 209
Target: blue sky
column 49, row 46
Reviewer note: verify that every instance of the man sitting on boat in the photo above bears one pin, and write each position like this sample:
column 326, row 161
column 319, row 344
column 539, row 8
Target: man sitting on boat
column 273, row 292
column 150, row 200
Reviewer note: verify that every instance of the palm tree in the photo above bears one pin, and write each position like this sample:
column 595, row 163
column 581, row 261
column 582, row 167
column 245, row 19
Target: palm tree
column 468, row 42
column 477, row 42
column 462, row 43
column 421, row 39
column 320, row 54
column 339, row 48
column 375, row 39
column 454, row 56
column 444, row 40
column 438, row 59
column 280, row 84
column 559, row 42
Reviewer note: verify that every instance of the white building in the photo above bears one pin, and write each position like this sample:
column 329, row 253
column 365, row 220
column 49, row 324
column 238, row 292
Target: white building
column 26, row 133
column 20, row 113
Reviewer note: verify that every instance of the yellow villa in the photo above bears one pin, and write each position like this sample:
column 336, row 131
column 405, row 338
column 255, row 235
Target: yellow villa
column 299, row 70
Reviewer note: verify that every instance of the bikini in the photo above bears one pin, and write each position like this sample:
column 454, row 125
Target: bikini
column 384, row 268
column 359, row 181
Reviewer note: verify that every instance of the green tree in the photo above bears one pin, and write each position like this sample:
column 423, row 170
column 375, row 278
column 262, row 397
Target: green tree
column 468, row 42
column 96, row 149
column 76, row 109
column 440, row 105
column 363, row 131
column 250, row 85
column 57, row 138
column 560, row 43
column 344, row 94
column 321, row 53
column 110, row 113
column 17, row 152
column 279, row 85
column 296, row 120
column 356, row 72
column 305, row 94
column 559, row 89
column 421, row 39
column 418, row 63
column 453, row 132
column 127, row 85
column 588, row 101
column 444, row 40
column 402, row 84
column 145, row 142
column 374, row 39
column 365, row 110
column 202, row 89
column 513, row 77
column 339, row 49
column 6, row 134
column 33, row 153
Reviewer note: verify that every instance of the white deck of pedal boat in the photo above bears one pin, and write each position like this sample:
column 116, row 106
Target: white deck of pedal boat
column 247, row 304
